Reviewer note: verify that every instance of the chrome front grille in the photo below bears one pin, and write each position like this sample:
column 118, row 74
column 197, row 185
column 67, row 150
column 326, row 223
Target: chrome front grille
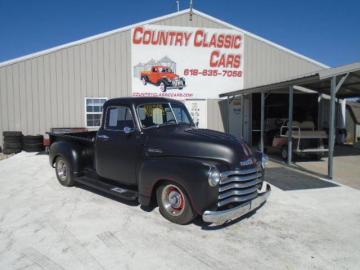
column 239, row 186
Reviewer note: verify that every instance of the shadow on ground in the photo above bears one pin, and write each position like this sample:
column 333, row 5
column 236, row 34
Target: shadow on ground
column 287, row 179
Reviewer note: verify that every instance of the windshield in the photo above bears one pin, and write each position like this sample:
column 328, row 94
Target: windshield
column 181, row 113
column 166, row 70
column 160, row 114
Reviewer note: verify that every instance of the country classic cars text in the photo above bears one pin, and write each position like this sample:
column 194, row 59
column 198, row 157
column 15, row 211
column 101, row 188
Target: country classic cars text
column 199, row 38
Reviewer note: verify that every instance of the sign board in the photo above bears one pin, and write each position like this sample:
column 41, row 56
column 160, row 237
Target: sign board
column 198, row 112
column 186, row 62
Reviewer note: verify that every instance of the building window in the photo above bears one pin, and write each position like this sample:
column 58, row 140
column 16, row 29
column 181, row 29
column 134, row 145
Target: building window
column 93, row 111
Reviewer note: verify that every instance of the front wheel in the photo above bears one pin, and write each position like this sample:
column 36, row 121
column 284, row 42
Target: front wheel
column 174, row 204
column 64, row 172
column 162, row 87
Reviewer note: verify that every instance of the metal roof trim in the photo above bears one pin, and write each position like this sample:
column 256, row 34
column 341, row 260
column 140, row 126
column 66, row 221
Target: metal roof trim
column 331, row 72
column 274, row 86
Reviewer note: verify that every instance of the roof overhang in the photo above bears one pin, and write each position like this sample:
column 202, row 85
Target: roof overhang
column 317, row 82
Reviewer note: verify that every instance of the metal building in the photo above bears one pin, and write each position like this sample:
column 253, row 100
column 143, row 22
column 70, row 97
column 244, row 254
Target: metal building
column 65, row 86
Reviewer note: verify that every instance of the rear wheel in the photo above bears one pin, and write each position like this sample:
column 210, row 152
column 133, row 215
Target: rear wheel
column 174, row 204
column 64, row 172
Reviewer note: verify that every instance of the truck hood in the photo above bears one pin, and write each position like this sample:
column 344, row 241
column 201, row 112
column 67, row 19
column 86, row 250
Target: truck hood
column 185, row 141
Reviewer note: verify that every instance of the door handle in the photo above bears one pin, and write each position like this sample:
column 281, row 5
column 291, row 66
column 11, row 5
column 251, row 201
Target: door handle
column 103, row 137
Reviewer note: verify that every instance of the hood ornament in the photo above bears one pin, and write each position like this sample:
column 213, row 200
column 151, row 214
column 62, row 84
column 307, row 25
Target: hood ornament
column 154, row 150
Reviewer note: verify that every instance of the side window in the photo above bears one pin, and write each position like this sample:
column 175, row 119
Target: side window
column 119, row 117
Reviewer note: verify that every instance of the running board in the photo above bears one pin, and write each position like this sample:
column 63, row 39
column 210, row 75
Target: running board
column 116, row 191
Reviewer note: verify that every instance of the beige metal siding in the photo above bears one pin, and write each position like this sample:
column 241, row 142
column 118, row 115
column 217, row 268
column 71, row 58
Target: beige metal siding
column 49, row 90
column 264, row 63
column 217, row 114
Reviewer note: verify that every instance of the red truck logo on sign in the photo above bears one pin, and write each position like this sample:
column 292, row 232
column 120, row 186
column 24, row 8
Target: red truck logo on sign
column 163, row 77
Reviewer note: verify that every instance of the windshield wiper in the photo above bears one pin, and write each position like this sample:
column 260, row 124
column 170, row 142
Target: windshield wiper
column 169, row 122
column 166, row 124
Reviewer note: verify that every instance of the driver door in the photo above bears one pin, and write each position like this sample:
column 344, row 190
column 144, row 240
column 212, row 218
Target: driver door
column 118, row 146
column 155, row 76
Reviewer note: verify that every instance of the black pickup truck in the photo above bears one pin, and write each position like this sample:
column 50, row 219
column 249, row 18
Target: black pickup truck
column 149, row 150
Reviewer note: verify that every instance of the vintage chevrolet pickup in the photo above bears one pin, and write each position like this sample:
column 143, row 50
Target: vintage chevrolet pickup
column 149, row 150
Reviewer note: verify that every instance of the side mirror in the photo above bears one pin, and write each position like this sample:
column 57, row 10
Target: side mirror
column 128, row 130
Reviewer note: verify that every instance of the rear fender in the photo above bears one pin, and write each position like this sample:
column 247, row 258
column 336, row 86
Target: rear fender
column 190, row 174
column 71, row 152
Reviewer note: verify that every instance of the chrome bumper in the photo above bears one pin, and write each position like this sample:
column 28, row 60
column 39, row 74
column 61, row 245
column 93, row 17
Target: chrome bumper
column 220, row 217
column 176, row 84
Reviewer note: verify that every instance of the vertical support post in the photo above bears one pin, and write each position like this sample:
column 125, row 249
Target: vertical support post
column 262, row 122
column 290, row 122
column 228, row 114
column 242, row 116
column 332, row 127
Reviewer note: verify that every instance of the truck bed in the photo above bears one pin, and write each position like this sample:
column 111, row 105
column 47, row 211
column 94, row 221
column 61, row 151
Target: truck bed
column 87, row 137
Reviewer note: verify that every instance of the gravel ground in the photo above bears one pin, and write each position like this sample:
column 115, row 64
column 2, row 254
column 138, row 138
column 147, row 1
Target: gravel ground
column 44, row 225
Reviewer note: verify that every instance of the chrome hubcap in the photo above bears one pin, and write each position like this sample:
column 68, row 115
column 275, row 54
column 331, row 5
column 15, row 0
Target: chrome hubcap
column 162, row 86
column 61, row 170
column 144, row 81
column 173, row 200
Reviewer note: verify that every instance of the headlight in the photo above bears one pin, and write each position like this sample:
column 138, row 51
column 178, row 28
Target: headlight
column 264, row 160
column 214, row 177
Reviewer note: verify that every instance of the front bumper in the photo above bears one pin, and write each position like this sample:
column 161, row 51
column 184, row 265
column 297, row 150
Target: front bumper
column 176, row 84
column 220, row 217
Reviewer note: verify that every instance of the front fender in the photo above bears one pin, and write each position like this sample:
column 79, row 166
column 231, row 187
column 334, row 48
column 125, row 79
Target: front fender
column 190, row 174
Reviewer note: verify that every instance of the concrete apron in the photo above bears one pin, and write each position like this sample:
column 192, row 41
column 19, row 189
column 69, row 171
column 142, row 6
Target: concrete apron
column 46, row 226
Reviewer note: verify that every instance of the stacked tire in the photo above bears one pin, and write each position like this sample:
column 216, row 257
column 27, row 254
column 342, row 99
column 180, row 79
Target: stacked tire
column 33, row 143
column 12, row 142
